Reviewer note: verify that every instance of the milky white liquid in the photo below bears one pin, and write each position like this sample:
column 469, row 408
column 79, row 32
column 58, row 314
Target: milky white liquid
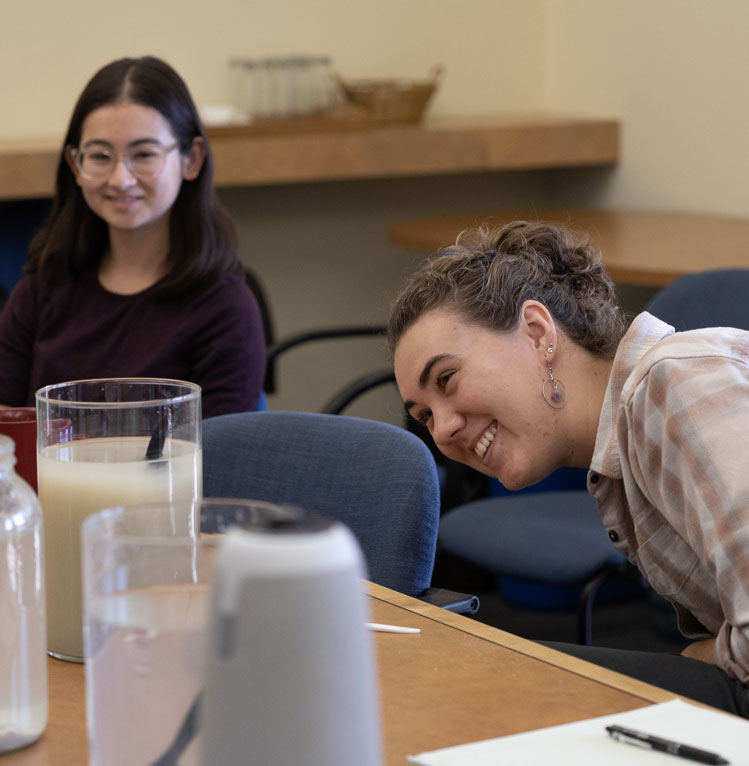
column 144, row 669
column 80, row 477
column 23, row 662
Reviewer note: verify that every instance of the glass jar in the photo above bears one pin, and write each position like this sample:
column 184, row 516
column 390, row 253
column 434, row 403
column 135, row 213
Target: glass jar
column 23, row 635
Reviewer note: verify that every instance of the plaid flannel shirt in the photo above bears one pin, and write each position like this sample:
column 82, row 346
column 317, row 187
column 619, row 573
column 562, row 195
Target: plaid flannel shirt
column 670, row 474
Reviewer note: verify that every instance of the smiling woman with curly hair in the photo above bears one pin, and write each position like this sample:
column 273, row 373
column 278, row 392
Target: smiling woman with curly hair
column 511, row 349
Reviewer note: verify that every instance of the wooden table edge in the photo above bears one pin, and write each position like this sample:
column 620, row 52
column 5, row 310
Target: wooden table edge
column 524, row 646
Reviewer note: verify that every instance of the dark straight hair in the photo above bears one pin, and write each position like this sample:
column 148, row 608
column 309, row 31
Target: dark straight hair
column 203, row 240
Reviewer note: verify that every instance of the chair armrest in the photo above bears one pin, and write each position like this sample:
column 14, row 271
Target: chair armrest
column 461, row 603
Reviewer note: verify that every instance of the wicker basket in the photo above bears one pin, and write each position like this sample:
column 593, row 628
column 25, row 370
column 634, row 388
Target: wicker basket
column 393, row 101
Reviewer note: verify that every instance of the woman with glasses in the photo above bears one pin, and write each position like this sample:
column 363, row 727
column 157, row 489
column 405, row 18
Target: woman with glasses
column 135, row 271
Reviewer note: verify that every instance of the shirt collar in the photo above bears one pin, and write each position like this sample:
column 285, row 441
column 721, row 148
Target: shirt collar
column 644, row 332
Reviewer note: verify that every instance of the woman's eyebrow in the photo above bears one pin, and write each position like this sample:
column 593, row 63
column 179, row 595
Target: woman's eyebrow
column 424, row 376
column 110, row 145
column 96, row 142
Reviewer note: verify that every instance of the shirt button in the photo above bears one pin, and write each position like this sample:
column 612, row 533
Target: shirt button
column 613, row 536
column 594, row 477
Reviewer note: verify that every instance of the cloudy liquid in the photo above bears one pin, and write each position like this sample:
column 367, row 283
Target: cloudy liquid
column 23, row 663
column 80, row 477
column 144, row 669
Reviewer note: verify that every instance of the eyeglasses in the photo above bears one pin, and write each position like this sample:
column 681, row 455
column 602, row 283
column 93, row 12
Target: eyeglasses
column 144, row 160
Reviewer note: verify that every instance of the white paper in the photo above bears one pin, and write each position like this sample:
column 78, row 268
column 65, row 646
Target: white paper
column 586, row 743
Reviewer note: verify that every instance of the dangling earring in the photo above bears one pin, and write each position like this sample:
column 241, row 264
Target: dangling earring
column 553, row 391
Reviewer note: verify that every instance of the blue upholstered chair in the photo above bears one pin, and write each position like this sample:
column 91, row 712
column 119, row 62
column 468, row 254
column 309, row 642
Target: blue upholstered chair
column 376, row 478
column 557, row 538
column 716, row 298
column 547, row 549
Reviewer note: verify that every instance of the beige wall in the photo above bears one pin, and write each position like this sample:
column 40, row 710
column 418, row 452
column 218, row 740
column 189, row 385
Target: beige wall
column 675, row 72
column 50, row 48
column 672, row 71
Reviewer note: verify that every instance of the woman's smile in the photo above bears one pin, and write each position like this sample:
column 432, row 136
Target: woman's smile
column 485, row 441
column 124, row 201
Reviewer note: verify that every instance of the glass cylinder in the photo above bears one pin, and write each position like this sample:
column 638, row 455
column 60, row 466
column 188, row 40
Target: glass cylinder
column 299, row 80
column 245, row 87
column 146, row 580
column 23, row 641
column 103, row 443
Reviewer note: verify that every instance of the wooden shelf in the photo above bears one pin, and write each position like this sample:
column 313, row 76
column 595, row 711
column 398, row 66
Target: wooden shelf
column 254, row 157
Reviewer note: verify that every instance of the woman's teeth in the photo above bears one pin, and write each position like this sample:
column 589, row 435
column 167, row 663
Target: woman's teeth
column 486, row 439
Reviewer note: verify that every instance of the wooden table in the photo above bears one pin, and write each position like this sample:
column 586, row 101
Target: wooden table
column 457, row 681
column 252, row 156
column 638, row 247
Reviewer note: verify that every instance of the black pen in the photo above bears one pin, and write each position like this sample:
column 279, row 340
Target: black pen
column 639, row 738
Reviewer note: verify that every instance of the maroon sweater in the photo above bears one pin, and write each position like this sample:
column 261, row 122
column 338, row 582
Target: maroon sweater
column 213, row 337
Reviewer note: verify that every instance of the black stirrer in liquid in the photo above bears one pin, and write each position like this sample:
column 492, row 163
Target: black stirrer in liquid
column 155, row 447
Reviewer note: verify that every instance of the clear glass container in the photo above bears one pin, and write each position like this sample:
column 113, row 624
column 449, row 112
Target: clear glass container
column 284, row 87
column 23, row 635
column 103, row 443
column 322, row 85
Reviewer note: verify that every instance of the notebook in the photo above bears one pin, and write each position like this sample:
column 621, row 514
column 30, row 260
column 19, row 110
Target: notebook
column 586, row 743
